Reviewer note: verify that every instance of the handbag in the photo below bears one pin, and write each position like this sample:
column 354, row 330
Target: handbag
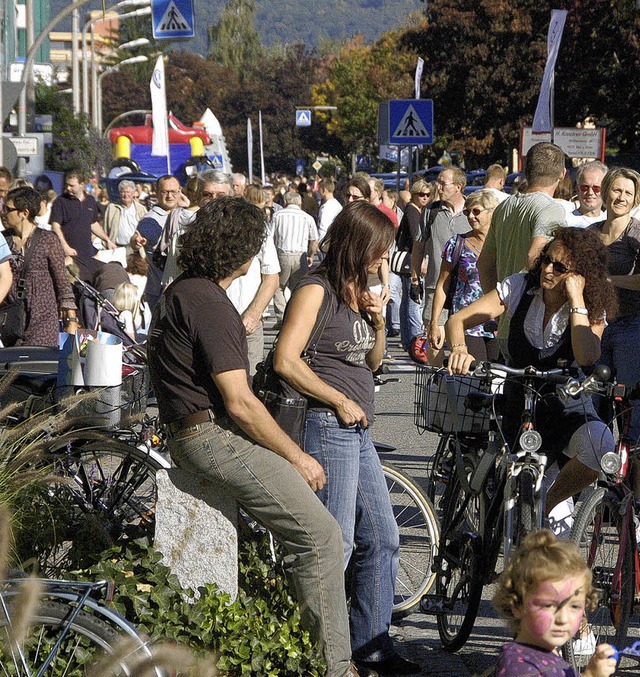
column 287, row 406
column 13, row 315
column 453, row 278
column 400, row 262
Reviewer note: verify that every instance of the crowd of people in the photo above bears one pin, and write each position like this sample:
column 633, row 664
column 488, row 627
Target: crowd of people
column 526, row 278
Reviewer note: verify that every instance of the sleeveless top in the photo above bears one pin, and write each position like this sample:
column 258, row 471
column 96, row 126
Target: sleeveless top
column 339, row 358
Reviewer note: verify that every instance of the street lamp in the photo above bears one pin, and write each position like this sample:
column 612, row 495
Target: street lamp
column 145, row 11
column 132, row 59
column 89, row 25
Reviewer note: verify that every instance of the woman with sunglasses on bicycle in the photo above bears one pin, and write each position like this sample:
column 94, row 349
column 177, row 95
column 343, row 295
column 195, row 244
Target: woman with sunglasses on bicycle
column 558, row 311
column 620, row 233
column 459, row 279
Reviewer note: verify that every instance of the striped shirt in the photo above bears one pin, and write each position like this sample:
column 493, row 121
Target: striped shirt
column 292, row 229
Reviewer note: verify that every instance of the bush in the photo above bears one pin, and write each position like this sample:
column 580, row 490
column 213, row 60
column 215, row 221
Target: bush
column 258, row 634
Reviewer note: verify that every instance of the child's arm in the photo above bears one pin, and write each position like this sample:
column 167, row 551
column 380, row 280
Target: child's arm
column 601, row 664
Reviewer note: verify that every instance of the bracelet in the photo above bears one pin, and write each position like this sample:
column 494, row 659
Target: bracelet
column 579, row 311
column 459, row 345
column 385, row 286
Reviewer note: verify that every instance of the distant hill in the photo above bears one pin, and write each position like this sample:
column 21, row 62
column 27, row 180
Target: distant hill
column 290, row 21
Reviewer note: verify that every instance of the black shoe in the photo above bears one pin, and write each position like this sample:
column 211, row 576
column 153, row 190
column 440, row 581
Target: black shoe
column 392, row 333
column 389, row 667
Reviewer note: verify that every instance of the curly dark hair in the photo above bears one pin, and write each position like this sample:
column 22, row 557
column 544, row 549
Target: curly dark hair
column 225, row 234
column 589, row 258
column 357, row 237
column 541, row 557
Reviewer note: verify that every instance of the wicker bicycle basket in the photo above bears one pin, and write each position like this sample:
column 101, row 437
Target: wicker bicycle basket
column 434, row 409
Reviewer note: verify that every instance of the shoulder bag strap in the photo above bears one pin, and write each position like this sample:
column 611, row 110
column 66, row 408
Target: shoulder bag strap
column 20, row 286
column 321, row 323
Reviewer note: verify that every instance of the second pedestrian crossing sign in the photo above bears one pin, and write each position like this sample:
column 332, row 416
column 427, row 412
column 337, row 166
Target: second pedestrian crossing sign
column 410, row 122
column 173, row 19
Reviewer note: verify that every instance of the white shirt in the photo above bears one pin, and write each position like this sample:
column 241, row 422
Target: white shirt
column 500, row 194
column 578, row 220
column 128, row 224
column 511, row 291
column 328, row 212
column 292, row 229
column 243, row 290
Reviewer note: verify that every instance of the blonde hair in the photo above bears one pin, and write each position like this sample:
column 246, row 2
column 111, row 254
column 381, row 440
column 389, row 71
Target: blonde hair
column 540, row 557
column 125, row 297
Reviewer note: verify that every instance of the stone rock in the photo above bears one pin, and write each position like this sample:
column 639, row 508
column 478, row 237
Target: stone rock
column 196, row 531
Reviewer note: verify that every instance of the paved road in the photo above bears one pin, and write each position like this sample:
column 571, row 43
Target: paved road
column 416, row 634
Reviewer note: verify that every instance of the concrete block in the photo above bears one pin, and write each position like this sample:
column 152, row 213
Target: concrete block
column 196, row 531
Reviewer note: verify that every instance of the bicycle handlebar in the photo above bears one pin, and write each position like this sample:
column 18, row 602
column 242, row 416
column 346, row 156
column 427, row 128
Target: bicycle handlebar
column 485, row 369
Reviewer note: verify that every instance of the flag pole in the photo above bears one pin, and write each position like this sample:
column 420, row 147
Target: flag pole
column 262, row 174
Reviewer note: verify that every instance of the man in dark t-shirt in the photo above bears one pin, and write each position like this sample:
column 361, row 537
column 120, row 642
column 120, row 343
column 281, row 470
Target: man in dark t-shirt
column 74, row 219
column 219, row 430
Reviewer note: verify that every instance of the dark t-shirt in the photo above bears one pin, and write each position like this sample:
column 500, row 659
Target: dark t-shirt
column 340, row 354
column 622, row 257
column 518, row 660
column 195, row 332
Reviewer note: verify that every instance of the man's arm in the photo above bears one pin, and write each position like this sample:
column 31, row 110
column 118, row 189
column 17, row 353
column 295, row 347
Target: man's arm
column 252, row 417
column 57, row 229
column 537, row 245
column 311, row 250
column 253, row 314
column 487, row 270
column 6, row 278
column 98, row 231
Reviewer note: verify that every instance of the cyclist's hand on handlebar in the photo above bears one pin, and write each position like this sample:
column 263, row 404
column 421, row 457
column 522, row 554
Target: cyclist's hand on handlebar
column 459, row 361
column 351, row 413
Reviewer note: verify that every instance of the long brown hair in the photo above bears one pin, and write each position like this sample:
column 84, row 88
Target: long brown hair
column 358, row 236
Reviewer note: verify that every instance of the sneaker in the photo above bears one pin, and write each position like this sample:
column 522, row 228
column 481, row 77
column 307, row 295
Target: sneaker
column 393, row 665
column 418, row 349
column 585, row 646
column 392, row 333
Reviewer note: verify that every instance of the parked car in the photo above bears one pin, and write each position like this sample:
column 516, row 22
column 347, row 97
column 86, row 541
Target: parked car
column 178, row 132
column 475, row 180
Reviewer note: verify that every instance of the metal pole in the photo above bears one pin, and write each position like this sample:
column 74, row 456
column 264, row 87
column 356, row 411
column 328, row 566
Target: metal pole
column 30, row 38
column 75, row 71
column 3, row 42
column 551, row 98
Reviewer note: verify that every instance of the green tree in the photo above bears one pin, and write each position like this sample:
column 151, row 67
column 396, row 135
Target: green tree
column 357, row 80
column 75, row 143
column 234, row 41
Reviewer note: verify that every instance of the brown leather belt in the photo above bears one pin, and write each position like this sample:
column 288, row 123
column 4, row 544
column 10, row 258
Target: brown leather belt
column 190, row 420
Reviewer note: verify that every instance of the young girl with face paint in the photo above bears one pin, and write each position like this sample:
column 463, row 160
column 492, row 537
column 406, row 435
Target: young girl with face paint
column 543, row 593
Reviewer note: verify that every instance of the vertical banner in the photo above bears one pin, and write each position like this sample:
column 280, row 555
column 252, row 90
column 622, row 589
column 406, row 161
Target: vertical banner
column 419, row 68
column 263, row 178
column 542, row 121
column 160, row 143
column 250, row 149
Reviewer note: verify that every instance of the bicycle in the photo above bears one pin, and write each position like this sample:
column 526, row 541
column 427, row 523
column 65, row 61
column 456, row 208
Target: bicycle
column 605, row 529
column 70, row 627
column 494, row 495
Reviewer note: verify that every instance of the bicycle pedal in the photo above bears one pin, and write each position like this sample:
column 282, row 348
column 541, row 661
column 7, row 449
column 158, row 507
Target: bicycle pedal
column 432, row 604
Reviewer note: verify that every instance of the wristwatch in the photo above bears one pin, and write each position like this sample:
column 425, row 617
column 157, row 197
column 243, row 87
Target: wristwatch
column 579, row 311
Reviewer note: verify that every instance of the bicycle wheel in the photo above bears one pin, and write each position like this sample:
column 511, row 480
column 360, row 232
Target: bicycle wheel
column 525, row 507
column 107, row 496
column 419, row 534
column 597, row 530
column 459, row 584
column 88, row 638
column 458, row 576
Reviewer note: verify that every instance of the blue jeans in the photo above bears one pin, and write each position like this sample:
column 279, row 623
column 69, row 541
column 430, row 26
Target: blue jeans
column 410, row 315
column 393, row 307
column 619, row 352
column 356, row 495
column 269, row 489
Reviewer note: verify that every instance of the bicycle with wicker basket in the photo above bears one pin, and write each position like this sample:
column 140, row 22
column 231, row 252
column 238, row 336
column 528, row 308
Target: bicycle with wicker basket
column 494, row 494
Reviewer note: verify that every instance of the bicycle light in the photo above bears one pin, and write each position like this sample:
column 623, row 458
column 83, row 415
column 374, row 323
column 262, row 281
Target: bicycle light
column 530, row 440
column 610, row 463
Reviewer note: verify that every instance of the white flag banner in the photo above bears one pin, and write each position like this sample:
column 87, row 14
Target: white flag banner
column 160, row 144
column 263, row 177
column 419, row 68
column 250, row 149
column 542, row 118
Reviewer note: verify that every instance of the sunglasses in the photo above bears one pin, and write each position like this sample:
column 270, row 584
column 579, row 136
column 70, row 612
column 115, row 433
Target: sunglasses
column 8, row 210
column 352, row 196
column 423, row 194
column 584, row 188
column 476, row 211
column 558, row 267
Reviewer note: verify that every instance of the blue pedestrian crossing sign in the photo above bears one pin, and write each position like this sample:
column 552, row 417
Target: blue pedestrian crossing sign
column 173, row 19
column 410, row 122
column 303, row 118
